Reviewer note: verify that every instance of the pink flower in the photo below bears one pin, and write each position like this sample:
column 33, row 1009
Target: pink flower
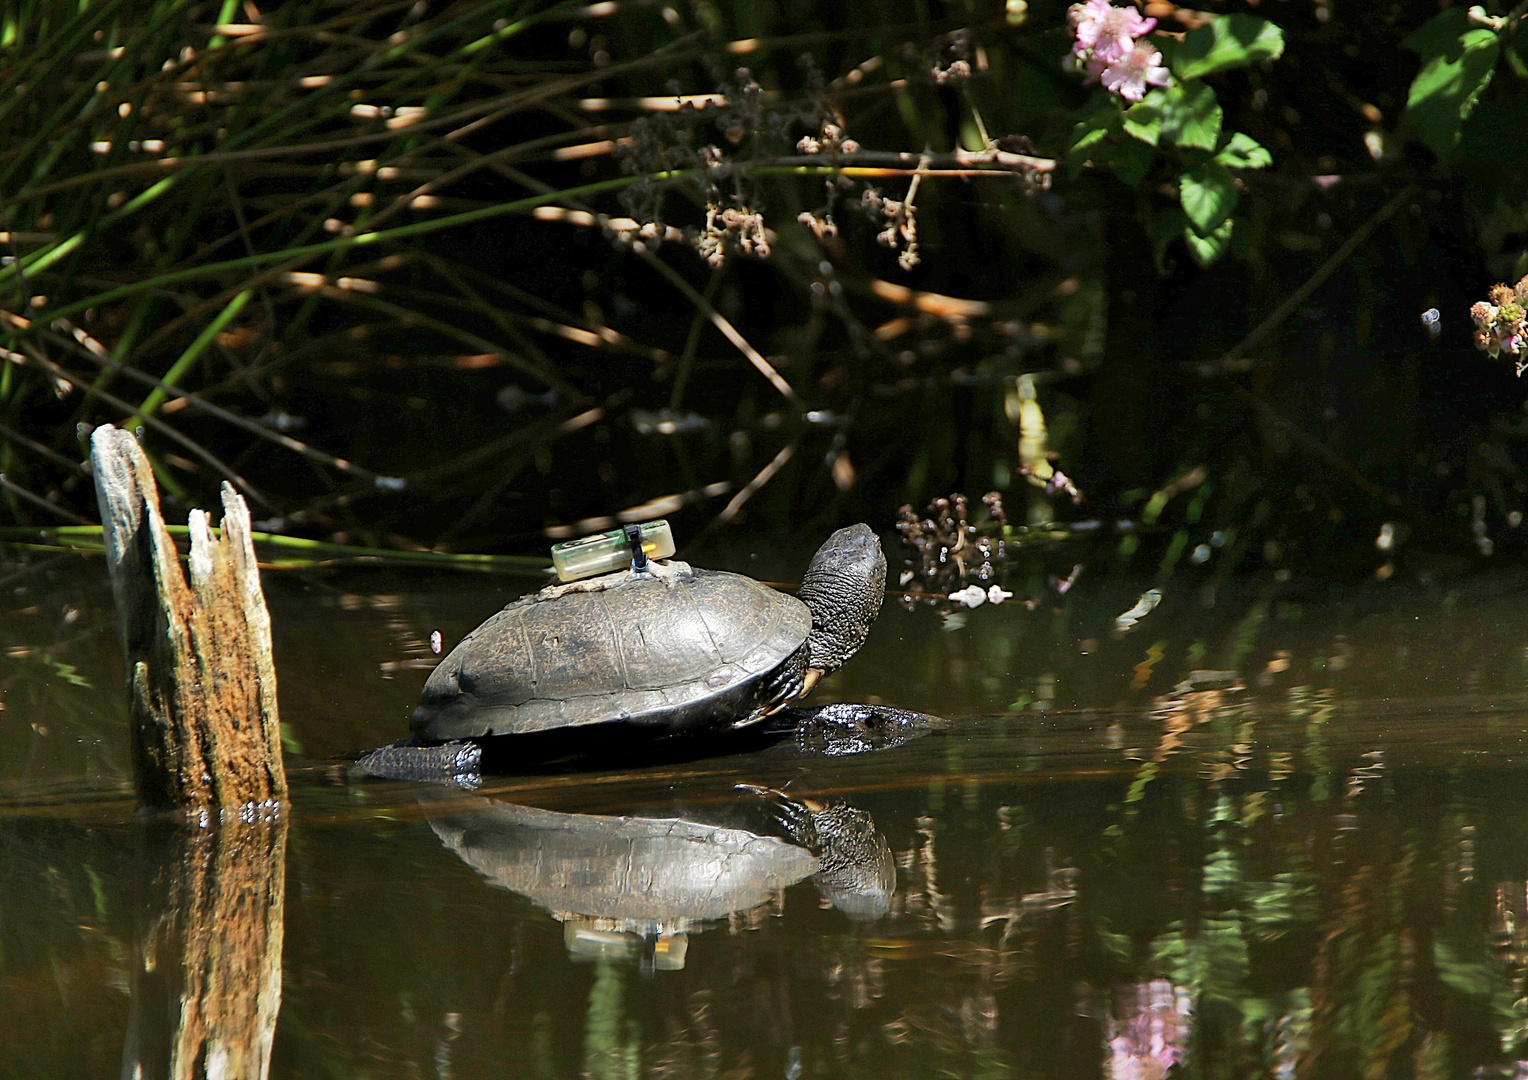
column 1105, row 46
column 1109, row 31
column 1129, row 75
column 1087, row 20
column 1506, row 338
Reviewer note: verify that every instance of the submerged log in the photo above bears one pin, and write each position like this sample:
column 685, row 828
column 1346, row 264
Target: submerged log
column 206, row 736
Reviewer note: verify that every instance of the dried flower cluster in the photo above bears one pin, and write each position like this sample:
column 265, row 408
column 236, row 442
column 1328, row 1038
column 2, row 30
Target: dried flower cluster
column 714, row 150
column 952, row 59
column 947, row 60
column 1108, row 46
column 829, row 140
column 948, row 559
column 679, row 141
column 1501, row 325
column 821, row 223
column 901, row 220
column 957, row 72
column 728, row 229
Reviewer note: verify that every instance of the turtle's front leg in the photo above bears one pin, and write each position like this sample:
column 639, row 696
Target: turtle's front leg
column 781, row 687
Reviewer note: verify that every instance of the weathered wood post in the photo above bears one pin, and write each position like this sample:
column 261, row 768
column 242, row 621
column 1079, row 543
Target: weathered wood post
column 201, row 683
column 206, row 744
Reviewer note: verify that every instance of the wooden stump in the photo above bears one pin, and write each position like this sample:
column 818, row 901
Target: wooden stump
column 206, row 735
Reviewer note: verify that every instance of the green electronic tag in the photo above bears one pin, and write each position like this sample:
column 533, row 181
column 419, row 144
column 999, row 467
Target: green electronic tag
column 607, row 551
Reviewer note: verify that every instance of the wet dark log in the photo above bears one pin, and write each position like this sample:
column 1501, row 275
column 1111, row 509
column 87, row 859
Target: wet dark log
column 206, row 976
column 201, row 682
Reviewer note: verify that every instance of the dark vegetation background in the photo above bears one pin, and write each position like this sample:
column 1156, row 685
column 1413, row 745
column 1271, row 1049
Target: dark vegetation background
column 377, row 264
column 406, row 236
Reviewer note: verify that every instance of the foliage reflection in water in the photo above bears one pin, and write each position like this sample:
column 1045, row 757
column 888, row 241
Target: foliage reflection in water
column 1281, row 835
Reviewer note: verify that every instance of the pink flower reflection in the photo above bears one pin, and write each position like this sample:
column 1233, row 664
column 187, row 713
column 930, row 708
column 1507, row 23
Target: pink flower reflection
column 1149, row 1032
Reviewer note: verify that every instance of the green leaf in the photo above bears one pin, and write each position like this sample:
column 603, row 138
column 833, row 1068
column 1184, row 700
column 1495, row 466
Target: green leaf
column 1207, row 249
column 1243, row 152
column 1231, row 41
column 1440, row 34
column 1191, row 116
column 1515, row 62
column 1492, row 159
column 1208, row 193
column 1131, row 161
column 1143, row 121
column 1458, row 60
column 1089, row 133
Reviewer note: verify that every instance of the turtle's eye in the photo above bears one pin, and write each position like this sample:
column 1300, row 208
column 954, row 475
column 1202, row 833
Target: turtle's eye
column 465, row 682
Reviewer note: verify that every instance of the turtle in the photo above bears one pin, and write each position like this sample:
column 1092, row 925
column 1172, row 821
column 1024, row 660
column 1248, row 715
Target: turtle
column 664, row 649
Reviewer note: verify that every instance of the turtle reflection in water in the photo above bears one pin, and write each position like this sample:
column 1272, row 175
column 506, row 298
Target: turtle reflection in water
column 641, row 885
column 660, row 648
column 857, row 874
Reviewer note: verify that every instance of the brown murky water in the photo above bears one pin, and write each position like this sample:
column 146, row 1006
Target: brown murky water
column 1104, row 866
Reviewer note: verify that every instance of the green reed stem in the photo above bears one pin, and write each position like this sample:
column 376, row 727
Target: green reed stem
column 87, row 539
column 401, row 232
column 193, row 351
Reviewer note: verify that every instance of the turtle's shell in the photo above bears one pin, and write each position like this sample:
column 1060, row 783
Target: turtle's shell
column 690, row 648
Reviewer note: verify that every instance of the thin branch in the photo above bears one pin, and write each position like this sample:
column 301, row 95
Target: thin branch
column 154, row 422
column 764, row 476
column 196, row 402
column 1314, row 282
column 37, row 500
column 731, row 332
column 38, row 448
column 1317, row 447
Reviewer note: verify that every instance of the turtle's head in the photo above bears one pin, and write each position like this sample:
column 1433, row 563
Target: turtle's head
column 843, row 589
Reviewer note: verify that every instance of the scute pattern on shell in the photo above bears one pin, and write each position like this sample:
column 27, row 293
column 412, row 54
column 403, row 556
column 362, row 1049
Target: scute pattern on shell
column 676, row 653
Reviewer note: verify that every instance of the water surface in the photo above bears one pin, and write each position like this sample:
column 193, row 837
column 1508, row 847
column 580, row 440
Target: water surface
column 1110, row 863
